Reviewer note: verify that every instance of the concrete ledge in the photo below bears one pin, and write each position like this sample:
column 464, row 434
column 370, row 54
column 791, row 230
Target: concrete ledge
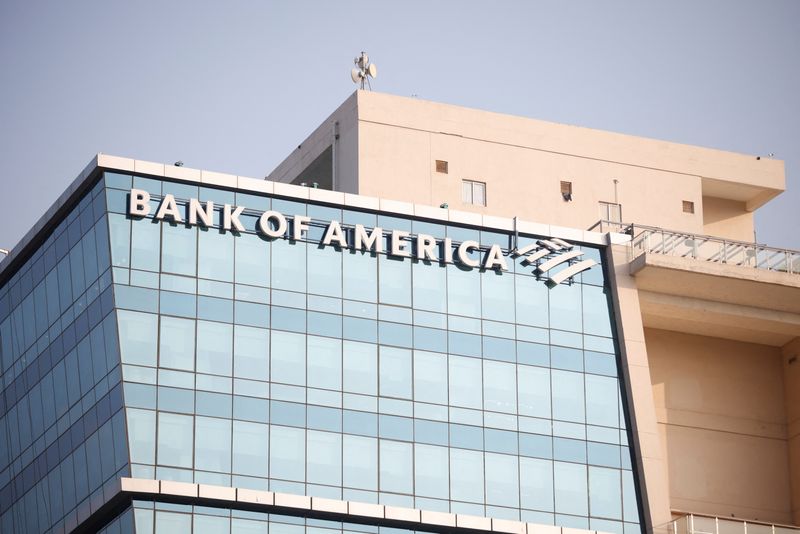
column 255, row 496
column 365, row 509
column 535, row 528
column 402, row 514
column 361, row 201
column 140, row 485
column 115, row 162
column 395, row 206
column 508, row 526
column 323, row 195
column 439, row 518
column 465, row 217
column 220, row 493
column 474, row 522
column 501, row 223
column 289, row 190
column 328, row 505
column 182, row 173
column 218, row 178
column 183, row 489
column 430, row 212
column 253, row 184
column 293, row 501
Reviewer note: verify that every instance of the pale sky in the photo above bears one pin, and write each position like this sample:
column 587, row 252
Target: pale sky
column 234, row 86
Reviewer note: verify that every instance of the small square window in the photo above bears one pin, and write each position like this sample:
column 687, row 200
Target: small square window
column 688, row 206
column 473, row 192
column 610, row 211
column 441, row 166
column 566, row 190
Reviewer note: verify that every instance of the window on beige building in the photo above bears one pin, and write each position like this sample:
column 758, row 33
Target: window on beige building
column 610, row 211
column 473, row 192
column 688, row 206
column 441, row 166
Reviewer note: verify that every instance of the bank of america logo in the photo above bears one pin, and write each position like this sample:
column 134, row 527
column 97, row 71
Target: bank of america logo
column 550, row 253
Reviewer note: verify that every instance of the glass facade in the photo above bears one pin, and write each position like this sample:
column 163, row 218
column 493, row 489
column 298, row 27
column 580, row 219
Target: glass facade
column 286, row 365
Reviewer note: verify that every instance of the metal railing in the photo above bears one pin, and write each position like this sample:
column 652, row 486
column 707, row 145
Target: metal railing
column 650, row 239
column 709, row 524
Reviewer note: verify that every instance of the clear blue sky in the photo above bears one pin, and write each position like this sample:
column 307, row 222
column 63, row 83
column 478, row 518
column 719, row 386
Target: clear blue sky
column 234, row 86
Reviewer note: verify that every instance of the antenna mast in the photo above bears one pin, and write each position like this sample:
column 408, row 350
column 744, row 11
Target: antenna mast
column 364, row 71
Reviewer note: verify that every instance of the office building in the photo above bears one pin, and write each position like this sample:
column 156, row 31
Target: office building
column 427, row 318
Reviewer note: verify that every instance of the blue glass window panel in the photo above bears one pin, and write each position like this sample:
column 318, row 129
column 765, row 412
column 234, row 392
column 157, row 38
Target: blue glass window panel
column 289, row 265
column 116, row 180
column 252, row 260
column 497, row 290
column 290, row 319
column 178, row 249
column 142, row 435
column 287, row 413
column 361, row 423
column 535, row 445
column 206, row 524
column 360, row 276
column 360, row 329
column 531, row 301
column 399, row 335
column 214, row 254
column 252, row 314
column 430, row 286
column 213, row 444
column 287, row 453
column 173, row 522
column 395, row 372
column 501, row 441
column 605, row 497
column 630, row 508
column 360, row 361
column 536, row 484
column 465, row 382
column 288, row 358
column 250, row 409
column 136, row 298
column 566, row 339
column 360, row 462
column 502, row 480
column 324, row 457
column 499, row 349
column 325, row 271
column 324, row 324
column 180, row 304
column 533, row 354
column 604, row 454
column 138, row 333
column 145, row 245
column 120, row 235
column 565, row 358
column 396, row 467
column 394, row 280
column 466, row 476
column 175, row 439
column 215, row 309
column 431, row 474
column 140, row 395
column 602, row 400
column 600, row 363
column 596, row 313
column 463, row 291
column 392, row 427
column 320, row 418
column 568, row 396
column 430, row 377
column 466, row 344
column 466, row 437
column 499, row 386
column 324, row 363
column 176, row 343
column 571, row 495
column 251, row 353
column 175, row 399
column 430, row 339
column 569, row 450
column 534, row 391
column 565, row 308
column 431, row 432
column 250, row 449
column 213, row 404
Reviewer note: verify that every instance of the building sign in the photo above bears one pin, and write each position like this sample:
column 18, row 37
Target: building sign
column 545, row 253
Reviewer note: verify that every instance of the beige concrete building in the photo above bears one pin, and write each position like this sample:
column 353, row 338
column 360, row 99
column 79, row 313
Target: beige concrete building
column 709, row 320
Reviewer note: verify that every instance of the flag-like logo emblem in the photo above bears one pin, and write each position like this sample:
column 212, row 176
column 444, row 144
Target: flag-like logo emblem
column 550, row 253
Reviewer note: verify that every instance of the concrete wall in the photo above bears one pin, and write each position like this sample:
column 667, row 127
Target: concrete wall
column 791, row 381
column 727, row 218
column 722, row 418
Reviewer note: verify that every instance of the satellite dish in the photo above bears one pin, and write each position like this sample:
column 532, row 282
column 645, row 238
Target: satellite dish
column 364, row 71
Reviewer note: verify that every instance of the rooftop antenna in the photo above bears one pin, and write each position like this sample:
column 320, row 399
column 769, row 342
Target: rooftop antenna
column 364, row 71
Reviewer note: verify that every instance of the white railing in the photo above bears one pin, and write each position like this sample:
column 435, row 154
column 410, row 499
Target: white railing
column 708, row 524
column 650, row 239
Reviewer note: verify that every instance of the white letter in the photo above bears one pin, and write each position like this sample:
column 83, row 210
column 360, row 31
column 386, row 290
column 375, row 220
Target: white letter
column 139, row 203
column 463, row 251
column 372, row 241
column 231, row 218
column 263, row 224
column 398, row 246
column 334, row 234
column 168, row 207
column 299, row 226
column 448, row 250
column 495, row 259
column 206, row 215
column 425, row 245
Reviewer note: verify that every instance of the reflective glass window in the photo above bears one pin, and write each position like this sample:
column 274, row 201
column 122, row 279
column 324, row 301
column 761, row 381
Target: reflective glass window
column 396, row 469
column 395, row 372
column 175, row 439
column 214, row 348
column 287, row 453
column 176, row 343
